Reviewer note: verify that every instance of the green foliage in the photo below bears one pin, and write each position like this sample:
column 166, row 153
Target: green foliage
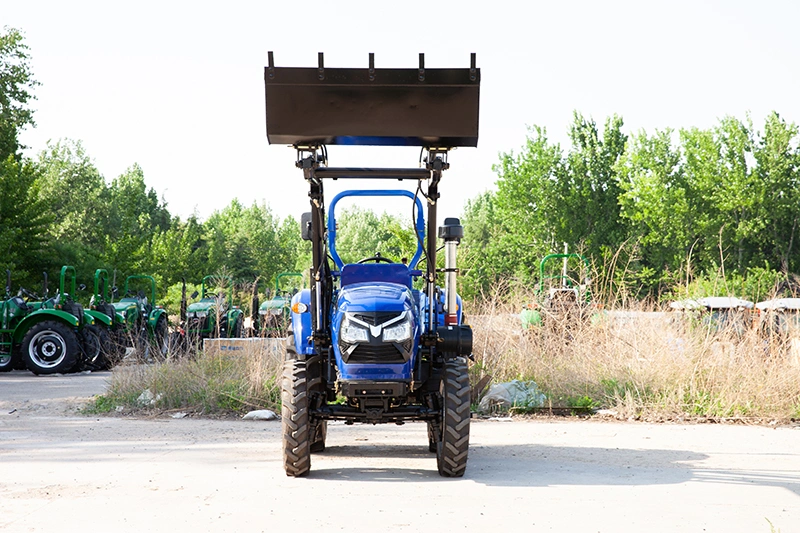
column 652, row 211
column 361, row 234
column 24, row 221
column 16, row 84
column 711, row 209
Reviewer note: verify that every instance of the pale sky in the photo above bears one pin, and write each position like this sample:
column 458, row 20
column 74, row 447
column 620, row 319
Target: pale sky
column 178, row 86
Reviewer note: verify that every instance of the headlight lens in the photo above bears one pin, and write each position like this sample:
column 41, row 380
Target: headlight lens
column 352, row 333
column 201, row 314
column 399, row 333
column 190, row 314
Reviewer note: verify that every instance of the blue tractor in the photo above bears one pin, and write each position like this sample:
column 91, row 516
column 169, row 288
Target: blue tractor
column 376, row 341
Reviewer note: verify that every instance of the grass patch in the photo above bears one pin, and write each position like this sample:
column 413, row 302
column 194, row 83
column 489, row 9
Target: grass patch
column 641, row 362
column 210, row 383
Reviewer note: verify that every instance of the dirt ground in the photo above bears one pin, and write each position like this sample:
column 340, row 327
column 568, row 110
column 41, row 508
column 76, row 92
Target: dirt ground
column 62, row 471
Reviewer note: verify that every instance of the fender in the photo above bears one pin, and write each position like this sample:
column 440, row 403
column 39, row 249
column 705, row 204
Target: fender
column 155, row 314
column 88, row 319
column 99, row 317
column 301, row 324
column 119, row 319
column 40, row 316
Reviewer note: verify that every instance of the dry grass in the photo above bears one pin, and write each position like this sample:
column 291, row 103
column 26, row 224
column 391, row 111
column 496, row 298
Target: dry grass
column 639, row 362
column 642, row 364
column 212, row 382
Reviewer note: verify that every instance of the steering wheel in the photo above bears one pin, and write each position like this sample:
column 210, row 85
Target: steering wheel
column 29, row 294
column 377, row 258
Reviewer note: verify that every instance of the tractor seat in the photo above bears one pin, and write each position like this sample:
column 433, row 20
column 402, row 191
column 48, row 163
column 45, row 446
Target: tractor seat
column 374, row 272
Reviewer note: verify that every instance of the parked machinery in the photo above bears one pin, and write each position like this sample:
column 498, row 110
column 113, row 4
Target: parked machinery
column 274, row 314
column 39, row 337
column 214, row 316
column 376, row 341
column 140, row 323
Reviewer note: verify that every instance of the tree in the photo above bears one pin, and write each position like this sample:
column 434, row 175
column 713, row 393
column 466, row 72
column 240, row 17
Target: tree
column 135, row 216
column 526, row 205
column 655, row 200
column 77, row 198
column 587, row 197
column 24, row 220
column 16, row 86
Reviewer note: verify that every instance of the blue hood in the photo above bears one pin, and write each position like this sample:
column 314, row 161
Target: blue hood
column 373, row 296
column 369, row 298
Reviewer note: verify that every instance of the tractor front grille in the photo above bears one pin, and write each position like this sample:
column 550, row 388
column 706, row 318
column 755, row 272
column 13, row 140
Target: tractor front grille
column 376, row 353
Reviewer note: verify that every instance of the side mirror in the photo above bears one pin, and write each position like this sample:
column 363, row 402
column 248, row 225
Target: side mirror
column 305, row 226
column 194, row 295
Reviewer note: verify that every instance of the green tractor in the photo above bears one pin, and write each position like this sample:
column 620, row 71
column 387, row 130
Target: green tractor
column 42, row 338
column 565, row 296
column 93, row 331
column 274, row 314
column 113, row 330
column 138, row 321
column 214, row 316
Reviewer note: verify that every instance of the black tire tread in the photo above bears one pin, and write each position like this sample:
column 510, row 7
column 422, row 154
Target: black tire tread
column 295, row 422
column 453, row 449
column 72, row 347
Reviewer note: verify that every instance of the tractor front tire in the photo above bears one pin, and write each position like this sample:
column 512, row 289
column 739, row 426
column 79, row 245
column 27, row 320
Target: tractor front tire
column 295, row 420
column 453, row 447
column 50, row 347
column 91, row 347
column 6, row 362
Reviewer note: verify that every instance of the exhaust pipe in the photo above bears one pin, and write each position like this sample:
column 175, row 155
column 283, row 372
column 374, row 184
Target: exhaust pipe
column 452, row 231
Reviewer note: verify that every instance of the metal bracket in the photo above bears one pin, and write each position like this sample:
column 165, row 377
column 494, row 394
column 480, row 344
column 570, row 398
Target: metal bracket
column 371, row 66
column 270, row 65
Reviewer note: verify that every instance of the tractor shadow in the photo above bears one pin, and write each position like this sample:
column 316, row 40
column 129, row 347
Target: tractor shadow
column 537, row 465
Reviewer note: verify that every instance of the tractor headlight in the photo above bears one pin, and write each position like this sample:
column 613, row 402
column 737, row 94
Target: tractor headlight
column 398, row 333
column 352, row 332
column 201, row 314
column 262, row 312
column 190, row 314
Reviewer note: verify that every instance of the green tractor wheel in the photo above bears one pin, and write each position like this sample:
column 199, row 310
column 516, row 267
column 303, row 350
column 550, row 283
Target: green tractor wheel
column 50, row 347
column 104, row 356
column 161, row 338
column 90, row 346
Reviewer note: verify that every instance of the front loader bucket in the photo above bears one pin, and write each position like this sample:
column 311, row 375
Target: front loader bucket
column 371, row 106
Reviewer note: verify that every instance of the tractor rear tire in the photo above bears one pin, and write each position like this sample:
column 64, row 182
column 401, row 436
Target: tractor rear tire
column 295, row 420
column 50, row 347
column 453, row 447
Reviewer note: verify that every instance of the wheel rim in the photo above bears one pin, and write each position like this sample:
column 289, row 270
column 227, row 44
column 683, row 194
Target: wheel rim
column 5, row 359
column 47, row 349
